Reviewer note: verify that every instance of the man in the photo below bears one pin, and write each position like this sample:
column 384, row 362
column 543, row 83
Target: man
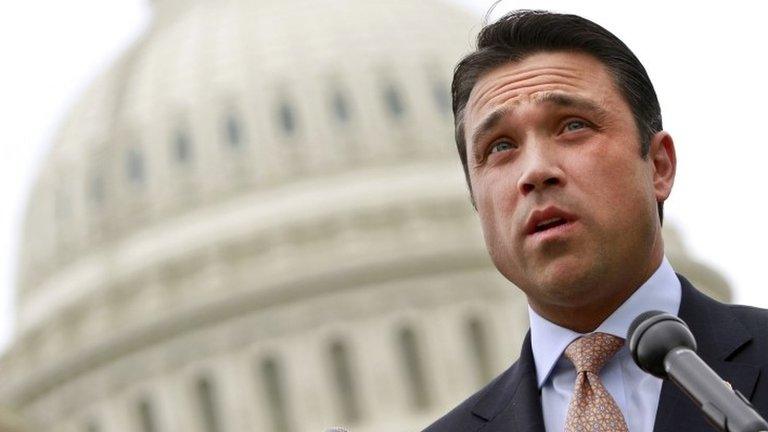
column 560, row 134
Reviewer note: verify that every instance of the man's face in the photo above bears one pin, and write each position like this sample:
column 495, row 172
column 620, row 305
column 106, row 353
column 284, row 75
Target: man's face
column 567, row 203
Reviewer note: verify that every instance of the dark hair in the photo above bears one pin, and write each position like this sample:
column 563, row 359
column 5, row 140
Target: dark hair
column 524, row 32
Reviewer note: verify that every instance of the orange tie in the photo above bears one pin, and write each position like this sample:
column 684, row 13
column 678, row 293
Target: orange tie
column 592, row 409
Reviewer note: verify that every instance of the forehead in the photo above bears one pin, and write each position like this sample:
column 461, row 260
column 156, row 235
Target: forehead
column 539, row 75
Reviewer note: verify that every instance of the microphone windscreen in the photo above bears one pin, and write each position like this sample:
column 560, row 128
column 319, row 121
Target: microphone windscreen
column 653, row 335
column 639, row 320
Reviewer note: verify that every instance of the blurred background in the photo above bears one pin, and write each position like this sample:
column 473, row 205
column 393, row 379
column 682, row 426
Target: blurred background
column 242, row 215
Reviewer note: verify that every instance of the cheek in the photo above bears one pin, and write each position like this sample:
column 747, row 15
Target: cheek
column 495, row 198
column 496, row 202
column 620, row 187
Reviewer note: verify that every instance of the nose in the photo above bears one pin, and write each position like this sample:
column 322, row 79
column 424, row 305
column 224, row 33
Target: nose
column 540, row 171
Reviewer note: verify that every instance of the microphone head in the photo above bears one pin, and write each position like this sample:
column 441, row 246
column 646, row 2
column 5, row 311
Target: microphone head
column 336, row 429
column 652, row 335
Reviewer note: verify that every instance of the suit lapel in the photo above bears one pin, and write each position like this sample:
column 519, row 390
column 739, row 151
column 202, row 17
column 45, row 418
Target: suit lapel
column 514, row 403
column 718, row 336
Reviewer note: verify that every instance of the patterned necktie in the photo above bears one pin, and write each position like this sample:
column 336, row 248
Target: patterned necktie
column 592, row 408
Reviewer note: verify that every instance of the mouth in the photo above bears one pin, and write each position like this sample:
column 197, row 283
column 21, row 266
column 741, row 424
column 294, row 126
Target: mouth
column 549, row 224
column 547, row 220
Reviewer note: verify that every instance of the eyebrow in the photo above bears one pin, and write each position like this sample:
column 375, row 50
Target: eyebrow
column 554, row 98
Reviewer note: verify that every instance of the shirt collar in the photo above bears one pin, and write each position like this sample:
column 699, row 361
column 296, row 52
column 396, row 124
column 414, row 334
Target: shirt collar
column 548, row 340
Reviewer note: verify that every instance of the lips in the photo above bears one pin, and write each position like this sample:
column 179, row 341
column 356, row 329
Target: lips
column 546, row 219
column 549, row 223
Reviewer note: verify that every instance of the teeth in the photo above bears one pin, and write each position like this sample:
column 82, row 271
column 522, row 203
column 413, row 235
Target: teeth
column 548, row 221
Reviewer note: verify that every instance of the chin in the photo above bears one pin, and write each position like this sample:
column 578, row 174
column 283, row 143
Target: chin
column 567, row 280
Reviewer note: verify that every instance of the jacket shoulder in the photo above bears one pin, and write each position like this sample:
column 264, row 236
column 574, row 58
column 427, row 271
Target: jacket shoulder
column 752, row 317
column 755, row 320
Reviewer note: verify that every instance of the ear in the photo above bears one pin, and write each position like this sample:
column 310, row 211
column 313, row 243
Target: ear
column 663, row 161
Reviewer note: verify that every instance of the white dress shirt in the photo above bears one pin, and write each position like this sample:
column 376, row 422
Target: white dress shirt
column 636, row 392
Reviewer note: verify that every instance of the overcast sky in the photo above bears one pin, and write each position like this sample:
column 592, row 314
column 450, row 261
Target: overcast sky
column 707, row 63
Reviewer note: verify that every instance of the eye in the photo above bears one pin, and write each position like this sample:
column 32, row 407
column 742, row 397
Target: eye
column 574, row 125
column 502, row 146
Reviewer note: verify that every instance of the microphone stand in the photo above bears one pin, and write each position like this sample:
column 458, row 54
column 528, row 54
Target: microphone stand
column 725, row 407
column 663, row 345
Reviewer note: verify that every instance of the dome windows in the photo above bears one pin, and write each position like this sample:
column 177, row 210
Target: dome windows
column 287, row 118
column 442, row 96
column 393, row 101
column 274, row 393
column 415, row 379
column 478, row 341
column 134, row 166
column 233, row 130
column 182, row 146
column 96, row 188
column 147, row 420
column 206, row 397
column 345, row 388
column 340, row 107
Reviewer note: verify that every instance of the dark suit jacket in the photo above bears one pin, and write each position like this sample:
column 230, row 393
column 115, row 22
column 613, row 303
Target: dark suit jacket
column 733, row 340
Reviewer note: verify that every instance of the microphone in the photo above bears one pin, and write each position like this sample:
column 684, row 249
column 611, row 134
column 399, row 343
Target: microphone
column 663, row 345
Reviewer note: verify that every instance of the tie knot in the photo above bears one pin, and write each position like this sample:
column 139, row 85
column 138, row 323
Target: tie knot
column 589, row 353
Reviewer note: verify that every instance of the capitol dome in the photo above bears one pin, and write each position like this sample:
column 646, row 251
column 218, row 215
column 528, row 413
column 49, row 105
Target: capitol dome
column 256, row 220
